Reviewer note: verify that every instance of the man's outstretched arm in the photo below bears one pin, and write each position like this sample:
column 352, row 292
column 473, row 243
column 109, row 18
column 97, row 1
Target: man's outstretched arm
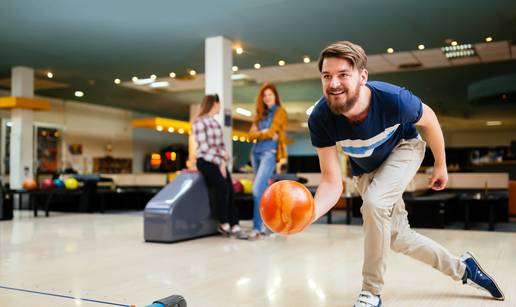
column 330, row 188
column 434, row 137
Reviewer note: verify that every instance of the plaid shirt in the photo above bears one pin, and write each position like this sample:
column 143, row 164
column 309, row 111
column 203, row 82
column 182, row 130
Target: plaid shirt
column 209, row 139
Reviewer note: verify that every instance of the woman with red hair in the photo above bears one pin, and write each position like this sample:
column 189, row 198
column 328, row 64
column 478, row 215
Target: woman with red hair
column 268, row 129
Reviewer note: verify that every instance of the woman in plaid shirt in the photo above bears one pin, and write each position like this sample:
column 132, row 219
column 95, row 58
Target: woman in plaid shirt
column 211, row 162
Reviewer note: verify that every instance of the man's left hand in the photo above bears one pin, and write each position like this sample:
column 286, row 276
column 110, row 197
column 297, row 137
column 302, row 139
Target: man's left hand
column 439, row 178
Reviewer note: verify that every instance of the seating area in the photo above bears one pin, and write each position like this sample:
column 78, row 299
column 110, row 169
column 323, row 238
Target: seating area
column 469, row 198
column 107, row 192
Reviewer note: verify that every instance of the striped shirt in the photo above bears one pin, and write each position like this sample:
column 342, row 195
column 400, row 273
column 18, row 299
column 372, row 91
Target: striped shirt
column 209, row 139
column 393, row 111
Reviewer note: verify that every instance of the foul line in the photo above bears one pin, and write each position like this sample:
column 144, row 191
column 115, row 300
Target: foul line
column 64, row 296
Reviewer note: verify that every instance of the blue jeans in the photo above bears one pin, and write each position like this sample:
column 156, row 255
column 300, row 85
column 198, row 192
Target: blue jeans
column 263, row 166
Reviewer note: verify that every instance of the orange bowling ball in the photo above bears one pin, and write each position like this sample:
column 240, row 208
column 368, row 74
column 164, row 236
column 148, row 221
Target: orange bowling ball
column 287, row 207
column 29, row 184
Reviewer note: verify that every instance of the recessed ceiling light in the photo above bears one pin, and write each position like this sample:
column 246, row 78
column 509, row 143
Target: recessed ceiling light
column 50, row 75
column 181, row 130
column 235, row 138
column 306, row 59
column 244, row 112
column 421, row 47
column 79, row 94
column 237, row 76
column 454, row 43
column 458, row 51
column 134, row 79
column 239, row 50
column 172, row 75
column 159, row 84
column 234, row 68
column 489, row 39
column 142, row 81
column 242, row 139
column 117, row 81
column 494, row 123
column 281, row 63
column 257, row 66
column 153, row 77
column 159, row 128
column 170, row 129
column 192, row 72
column 390, row 50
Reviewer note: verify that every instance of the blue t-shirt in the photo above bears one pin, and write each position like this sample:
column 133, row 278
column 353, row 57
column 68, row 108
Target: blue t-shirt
column 265, row 123
column 391, row 117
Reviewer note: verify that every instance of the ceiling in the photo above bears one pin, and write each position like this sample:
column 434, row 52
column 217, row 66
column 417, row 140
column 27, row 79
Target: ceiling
column 87, row 44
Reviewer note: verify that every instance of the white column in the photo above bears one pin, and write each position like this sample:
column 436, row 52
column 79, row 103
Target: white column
column 21, row 143
column 192, row 159
column 218, row 62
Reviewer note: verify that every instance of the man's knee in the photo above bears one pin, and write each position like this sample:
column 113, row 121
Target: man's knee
column 372, row 204
column 403, row 242
column 397, row 245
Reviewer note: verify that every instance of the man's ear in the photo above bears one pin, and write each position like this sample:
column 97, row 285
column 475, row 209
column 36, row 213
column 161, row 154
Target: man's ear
column 364, row 75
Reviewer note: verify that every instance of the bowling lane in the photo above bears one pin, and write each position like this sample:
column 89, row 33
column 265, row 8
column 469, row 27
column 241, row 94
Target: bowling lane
column 104, row 257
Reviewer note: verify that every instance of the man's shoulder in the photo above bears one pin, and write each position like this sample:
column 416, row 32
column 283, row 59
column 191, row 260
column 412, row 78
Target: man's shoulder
column 386, row 96
column 384, row 88
column 392, row 97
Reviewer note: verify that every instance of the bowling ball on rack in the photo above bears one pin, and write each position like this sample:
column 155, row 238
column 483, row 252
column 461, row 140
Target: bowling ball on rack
column 237, row 186
column 29, row 184
column 47, row 184
column 59, row 183
column 71, row 183
column 248, row 185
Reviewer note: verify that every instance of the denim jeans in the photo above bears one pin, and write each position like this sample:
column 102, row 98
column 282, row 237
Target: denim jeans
column 264, row 164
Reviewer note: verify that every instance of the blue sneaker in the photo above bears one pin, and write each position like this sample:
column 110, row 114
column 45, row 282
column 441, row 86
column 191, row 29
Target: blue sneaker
column 477, row 277
column 367, row 299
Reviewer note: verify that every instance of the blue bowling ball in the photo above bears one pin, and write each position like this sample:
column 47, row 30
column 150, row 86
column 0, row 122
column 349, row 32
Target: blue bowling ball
column 59, row 183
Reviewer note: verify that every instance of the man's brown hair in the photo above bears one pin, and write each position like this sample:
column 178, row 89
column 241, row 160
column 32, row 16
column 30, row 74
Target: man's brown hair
column 345, row 50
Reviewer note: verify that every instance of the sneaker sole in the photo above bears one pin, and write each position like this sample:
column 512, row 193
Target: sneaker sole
column 484, row 272
column 239, row 237
column 223, row 232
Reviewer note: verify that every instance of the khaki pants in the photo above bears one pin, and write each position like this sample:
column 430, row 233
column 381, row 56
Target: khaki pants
column 385, row 218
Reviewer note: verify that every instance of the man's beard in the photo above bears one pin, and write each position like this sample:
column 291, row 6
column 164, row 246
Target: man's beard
column 339, row 107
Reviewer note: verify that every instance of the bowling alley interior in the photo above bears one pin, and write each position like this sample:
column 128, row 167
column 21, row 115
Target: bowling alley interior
column 131, row 170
